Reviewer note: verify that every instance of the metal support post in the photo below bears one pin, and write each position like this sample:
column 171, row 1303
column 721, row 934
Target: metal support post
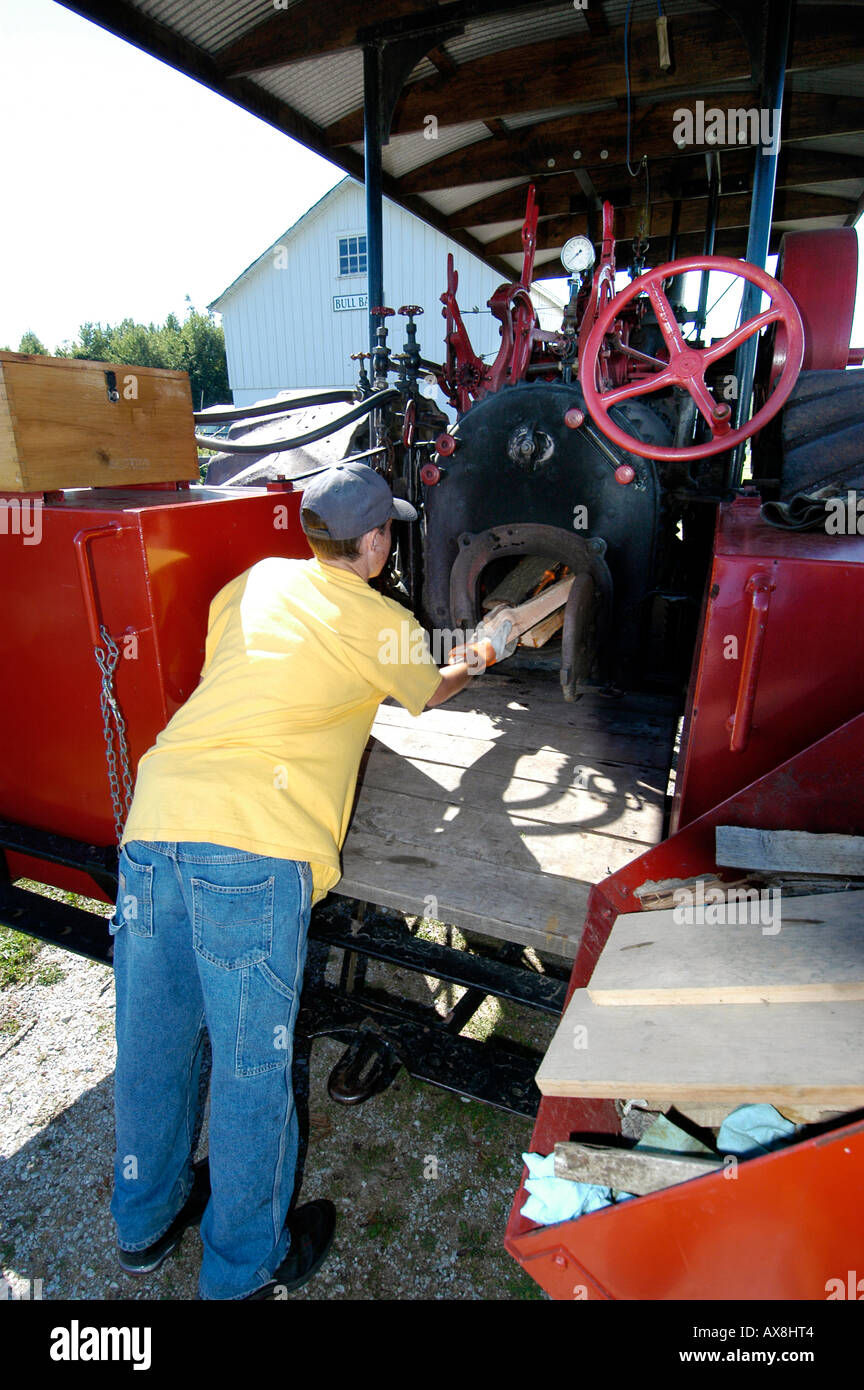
column 775, row 49
column 373, row 57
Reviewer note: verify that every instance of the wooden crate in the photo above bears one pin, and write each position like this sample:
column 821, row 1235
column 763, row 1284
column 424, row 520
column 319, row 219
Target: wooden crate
column 59, row 427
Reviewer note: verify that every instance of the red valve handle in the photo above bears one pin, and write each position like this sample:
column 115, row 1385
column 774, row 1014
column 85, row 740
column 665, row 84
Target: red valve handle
column 740, row 723
column 445, row 445
column 430, row 474
column 411, row 311
column 687, row 365
column 381, row 311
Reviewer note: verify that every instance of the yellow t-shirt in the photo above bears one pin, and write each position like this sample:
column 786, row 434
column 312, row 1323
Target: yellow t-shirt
column 264, row 754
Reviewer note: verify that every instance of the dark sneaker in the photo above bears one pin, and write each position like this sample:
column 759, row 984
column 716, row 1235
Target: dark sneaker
column 311, row 1228
column 145, row 1261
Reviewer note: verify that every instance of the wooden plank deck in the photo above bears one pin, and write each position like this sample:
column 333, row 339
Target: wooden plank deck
column 497, row 811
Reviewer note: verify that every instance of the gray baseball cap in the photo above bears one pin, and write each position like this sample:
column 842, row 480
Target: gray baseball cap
column 351, row 499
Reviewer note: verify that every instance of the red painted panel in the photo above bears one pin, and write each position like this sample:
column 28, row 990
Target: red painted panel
column 785, row 1226
column 782, row 1228
column 153, row 577
column 809, row 679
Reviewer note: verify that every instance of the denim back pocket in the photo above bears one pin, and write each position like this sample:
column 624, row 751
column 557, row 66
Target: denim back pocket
column 232, row 927
column 134, row 897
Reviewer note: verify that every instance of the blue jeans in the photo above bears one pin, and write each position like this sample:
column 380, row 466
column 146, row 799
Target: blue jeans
column 208, row 936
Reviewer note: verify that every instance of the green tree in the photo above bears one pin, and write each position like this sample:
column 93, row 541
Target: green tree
column 196, row 346
column 30, row 343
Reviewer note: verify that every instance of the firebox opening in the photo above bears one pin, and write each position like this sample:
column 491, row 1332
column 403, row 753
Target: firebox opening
column 512, row 580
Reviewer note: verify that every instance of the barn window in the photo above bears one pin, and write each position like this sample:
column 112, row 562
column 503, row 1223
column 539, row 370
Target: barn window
column 352, row 255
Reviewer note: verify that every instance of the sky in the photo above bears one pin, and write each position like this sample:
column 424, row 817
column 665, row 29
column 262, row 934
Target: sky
column 128, row 186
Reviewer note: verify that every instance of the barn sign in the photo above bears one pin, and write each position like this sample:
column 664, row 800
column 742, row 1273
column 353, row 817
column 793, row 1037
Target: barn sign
column 342, row 302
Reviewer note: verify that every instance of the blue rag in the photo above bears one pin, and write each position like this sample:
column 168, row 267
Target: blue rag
column 747, row 1132
column 557, row 1199
column 752, row 1130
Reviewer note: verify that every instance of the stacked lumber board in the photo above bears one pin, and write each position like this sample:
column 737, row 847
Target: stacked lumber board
column 712, row 1004
column 795, row 950
column 498, row 811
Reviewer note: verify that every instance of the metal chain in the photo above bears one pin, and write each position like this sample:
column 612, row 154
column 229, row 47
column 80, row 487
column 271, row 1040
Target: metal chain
column 107, row 659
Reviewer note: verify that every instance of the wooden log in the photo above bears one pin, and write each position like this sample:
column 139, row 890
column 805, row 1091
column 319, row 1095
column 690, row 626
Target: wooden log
column 796, row 851
column 629, row 1170
column 521, row 581
column 540, row 634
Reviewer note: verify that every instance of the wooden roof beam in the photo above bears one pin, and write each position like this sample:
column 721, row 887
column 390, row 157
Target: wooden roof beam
column 528, row 151
column 311, row 29
column 734, row 211
column 551, row 73
column 670, row 178
column 308, row 30
column 728, row 242
column 556, row 72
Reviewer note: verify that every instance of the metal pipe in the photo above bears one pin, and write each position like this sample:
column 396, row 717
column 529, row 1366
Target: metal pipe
column 372, row 135
column 674, row 224
column 713, row 161
column 778, row 15
column 249, row 412
column 299, row 477
column 280, row 446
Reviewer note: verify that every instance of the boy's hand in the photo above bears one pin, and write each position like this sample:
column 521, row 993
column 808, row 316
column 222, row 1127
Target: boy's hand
column 491, row 643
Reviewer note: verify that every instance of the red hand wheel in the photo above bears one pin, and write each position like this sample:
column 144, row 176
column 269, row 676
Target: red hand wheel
column 687, row 365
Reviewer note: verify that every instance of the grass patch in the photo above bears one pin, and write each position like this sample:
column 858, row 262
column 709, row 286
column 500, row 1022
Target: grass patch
column 18, row 953
column 473, row 1240
column 520, row 1285
column 383, row 1226
column 50, row 974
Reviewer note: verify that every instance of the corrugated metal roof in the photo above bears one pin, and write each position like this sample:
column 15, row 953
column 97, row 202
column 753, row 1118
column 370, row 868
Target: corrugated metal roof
column 615, row 10
column 449, row 200
column 487, row 36
column 326, row 87
column 212, row 24
column 490, row 230
column 322, row 89
column 406, row 152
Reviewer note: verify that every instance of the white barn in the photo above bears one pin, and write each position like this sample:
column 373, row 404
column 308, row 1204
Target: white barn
column 295, row 315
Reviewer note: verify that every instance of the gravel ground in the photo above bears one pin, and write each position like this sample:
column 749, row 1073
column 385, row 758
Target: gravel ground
column 422, row 1180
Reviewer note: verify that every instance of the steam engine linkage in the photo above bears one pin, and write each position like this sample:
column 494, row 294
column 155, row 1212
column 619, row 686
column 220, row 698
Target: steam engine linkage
column 610, row 423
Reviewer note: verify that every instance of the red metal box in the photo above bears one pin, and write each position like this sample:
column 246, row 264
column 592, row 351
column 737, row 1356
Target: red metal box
column 145, row 564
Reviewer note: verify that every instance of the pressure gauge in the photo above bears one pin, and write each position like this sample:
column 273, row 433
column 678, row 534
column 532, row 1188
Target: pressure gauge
column 578, row 254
